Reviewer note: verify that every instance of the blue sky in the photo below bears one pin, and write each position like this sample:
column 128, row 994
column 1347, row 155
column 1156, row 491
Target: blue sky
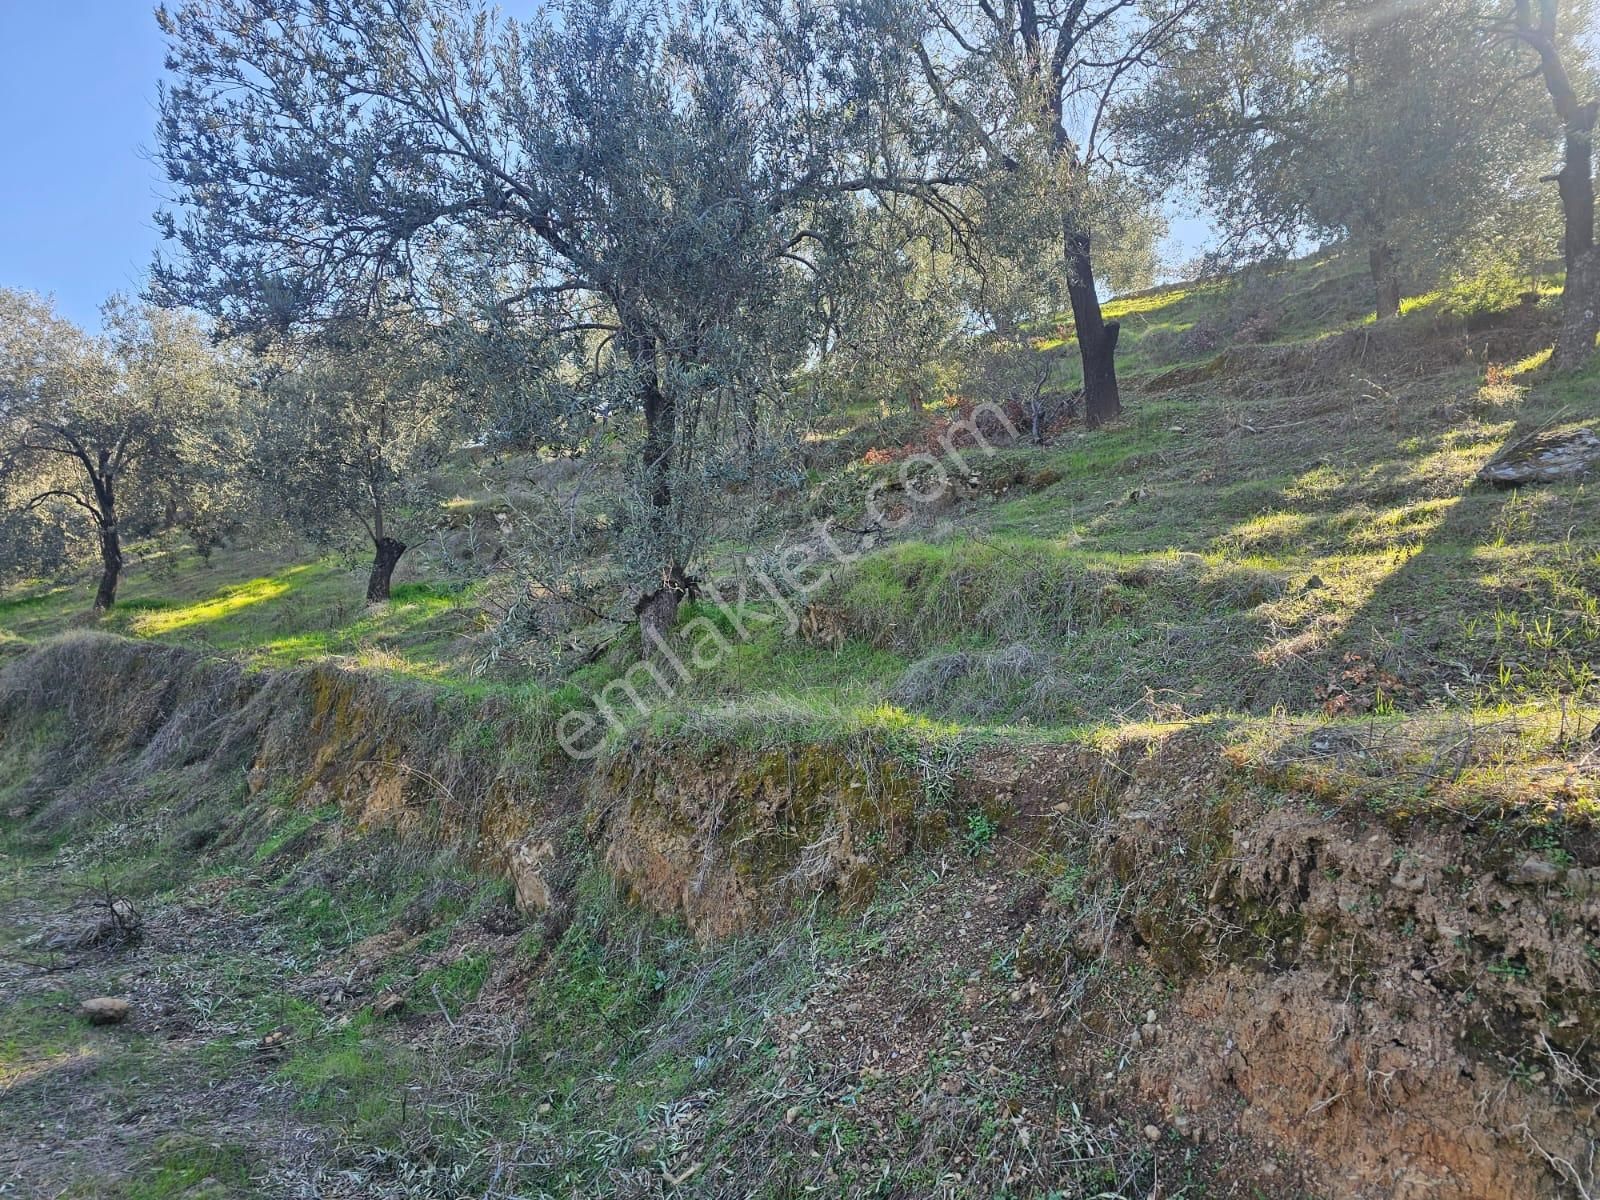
column 77, row 112
column 77, row 122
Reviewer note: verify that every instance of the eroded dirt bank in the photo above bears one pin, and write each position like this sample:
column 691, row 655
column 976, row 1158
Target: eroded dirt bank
column 1142, row 966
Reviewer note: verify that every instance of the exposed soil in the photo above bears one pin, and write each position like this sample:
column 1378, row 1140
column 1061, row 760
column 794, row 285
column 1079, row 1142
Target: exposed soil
column 1149, row 967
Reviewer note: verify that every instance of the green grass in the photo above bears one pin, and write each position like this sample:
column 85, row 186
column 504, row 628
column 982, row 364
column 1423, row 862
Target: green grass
column 250, row 604
column 1229, row 548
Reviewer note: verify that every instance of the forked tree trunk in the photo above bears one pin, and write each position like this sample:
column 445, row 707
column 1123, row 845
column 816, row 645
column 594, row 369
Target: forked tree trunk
column 386, row 552
column 1097, row 338
column 1580, row 300
column 657, row 609
column 1384, row 262
column 110, row 565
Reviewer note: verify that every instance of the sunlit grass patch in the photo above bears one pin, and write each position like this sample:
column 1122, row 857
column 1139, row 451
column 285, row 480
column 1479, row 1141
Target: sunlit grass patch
column 168, row 618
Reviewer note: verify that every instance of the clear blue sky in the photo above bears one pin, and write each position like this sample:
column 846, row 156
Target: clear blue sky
column 77, row 112
column 77, row 121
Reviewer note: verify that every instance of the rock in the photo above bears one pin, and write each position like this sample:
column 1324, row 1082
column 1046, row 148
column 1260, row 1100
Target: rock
column 1583, row 881
column 1544, row 458
column 527, row 864
column 1534, row 872
column 105, row 1010
column 125, row 916
column 1411, row 877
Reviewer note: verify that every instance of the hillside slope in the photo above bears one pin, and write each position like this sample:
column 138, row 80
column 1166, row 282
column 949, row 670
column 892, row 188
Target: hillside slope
column 1203, row 806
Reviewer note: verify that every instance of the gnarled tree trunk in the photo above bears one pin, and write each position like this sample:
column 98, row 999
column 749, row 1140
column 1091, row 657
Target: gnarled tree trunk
column 657, row 609
column 386, row 552
column 1097, row 338
column 1384, row 262
column 110, row 565
column 1580, row 301
column 1580, row 313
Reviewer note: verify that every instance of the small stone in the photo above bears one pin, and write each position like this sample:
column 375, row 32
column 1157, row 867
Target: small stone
column 105, row 1010
column 1584, row 881
column 1408, row 879
column 125, row 915
column 527, row 862
column 1152, row 1133
column 1534, row 872
column 1150, row 1016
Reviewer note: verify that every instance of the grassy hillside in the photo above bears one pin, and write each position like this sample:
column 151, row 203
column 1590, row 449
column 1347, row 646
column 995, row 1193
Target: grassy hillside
column 1291, row 488
column 1201, row 806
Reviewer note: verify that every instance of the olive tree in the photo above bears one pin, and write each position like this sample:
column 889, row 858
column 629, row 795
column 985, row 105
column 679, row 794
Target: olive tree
column 344, row 432
column 628, row 191
column 1552, row 30
column 1030, row 83
column 117, row 434
column 1399, row 129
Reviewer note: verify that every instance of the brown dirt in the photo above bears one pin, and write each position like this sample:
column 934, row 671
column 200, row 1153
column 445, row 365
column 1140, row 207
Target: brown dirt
column 1342, row 1004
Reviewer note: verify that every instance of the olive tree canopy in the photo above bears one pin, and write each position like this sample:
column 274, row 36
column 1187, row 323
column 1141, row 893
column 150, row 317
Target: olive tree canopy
column 102, row 437
column 629, row 192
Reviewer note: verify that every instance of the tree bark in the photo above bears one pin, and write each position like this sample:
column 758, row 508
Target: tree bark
column 1580, row 298
column 1097, row 338
column 1575, row 183
column 1384, row 262
column 1580, row 312
column 386, row 552
column 657, row 608
column 110, row 564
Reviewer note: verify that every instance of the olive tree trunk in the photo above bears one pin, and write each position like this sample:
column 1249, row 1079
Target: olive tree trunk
column 1384, row 263
column 1097, row 337
column 386, row 552
column 657, row 607
column 1580, row 303
column 110, row 565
